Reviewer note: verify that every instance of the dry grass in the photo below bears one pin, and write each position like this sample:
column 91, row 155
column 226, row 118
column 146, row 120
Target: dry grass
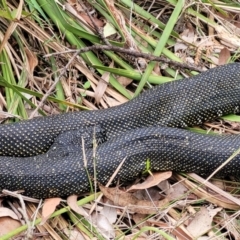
column 202, row 34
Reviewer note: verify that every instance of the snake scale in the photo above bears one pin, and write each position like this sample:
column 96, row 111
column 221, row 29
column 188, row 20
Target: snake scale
column 46, row 157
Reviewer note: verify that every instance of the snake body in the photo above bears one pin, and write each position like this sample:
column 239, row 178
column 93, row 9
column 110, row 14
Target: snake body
column 61, row 171
column 130, row 132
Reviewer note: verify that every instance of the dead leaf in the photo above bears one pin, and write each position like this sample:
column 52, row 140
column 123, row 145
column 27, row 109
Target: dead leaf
column 177, row 191
column 102, row 86
column 77, row 11
column 124, row 81
column 67, row 90
column 6, row 212
column 103, row 225
column 8, row 224
column 73, row 234
column 157, row 69
column 166, row 187
column 202, row 221
column 152, row 180
column 32, row 61
column 72, row 203
column 109, row 30
column 109, row 212
column 218, row 183
column 97, row 21
column 188, row 36
column 224, row 56
column 146, row 194
column 180, row 46
column 124, row 199
column 48, row 208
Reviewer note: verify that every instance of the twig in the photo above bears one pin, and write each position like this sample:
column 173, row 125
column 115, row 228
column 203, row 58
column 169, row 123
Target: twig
column 15, row 194
column 36, row 212
column 132, row 53
column 23, row 211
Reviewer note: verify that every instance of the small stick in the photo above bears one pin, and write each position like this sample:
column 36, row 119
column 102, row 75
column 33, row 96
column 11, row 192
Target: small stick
column 131, row 53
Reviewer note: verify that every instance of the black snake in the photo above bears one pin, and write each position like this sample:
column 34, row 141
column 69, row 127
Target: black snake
column 135, row 131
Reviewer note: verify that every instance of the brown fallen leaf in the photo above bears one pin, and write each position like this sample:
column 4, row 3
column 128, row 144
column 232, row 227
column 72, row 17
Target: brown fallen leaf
column 187, row 36
column 177, row 191
column 76, row 9
column 166, row 187
column 102, row 85
column 48, row 208
column 72, row 203
column 32, row 61
column 152, row 180
column 6, row 212
column 146, row 194
column 202, row 221
column 125, row 81
column 8, row 224
column 123, row 199
column 109, row 212
column 103, row 225
column 224, row 56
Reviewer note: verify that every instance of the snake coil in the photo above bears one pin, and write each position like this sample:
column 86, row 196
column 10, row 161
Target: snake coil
column 45, row 157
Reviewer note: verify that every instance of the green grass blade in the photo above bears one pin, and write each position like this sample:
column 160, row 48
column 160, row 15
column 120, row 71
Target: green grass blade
column 132, row 74
column 161, row 44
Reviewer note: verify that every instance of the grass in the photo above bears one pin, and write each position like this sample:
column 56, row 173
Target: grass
column 53, row 29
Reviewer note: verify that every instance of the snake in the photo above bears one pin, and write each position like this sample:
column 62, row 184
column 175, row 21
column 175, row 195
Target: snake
column 55, row 155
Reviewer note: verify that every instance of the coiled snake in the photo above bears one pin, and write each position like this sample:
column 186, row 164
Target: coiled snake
column 135, row 131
